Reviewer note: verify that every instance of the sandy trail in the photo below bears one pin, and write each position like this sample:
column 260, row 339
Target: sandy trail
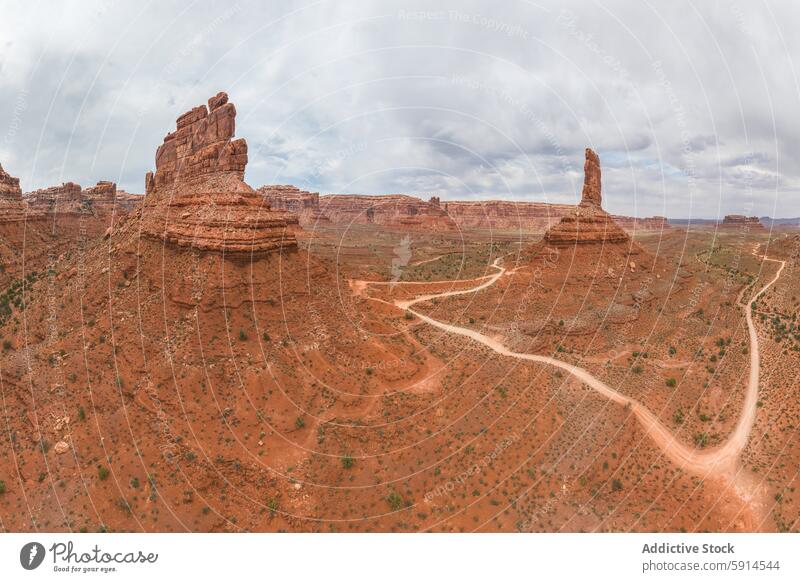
column 721, row 460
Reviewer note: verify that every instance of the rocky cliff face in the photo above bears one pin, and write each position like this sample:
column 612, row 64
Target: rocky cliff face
column 12, row 208
column 305, row 205
column 587, row 223
column 391, row 211
column 198, row 198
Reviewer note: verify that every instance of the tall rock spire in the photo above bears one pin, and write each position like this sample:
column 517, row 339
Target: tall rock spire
column 587, row 223
column 591, row 195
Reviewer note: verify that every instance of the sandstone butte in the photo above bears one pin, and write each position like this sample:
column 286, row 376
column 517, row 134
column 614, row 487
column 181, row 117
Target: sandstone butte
column 299, row 202
column 739, row 220
column 587, row 223
column 198, row 198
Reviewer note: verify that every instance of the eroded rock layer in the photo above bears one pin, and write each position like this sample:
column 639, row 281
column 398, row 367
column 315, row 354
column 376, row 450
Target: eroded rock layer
column 299, row 202
column 198, row 198
column 587, row 223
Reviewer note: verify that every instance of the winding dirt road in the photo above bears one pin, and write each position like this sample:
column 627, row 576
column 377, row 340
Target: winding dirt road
column 721, row 460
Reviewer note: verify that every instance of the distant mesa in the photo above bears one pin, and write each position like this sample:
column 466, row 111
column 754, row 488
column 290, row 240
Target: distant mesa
column 197, row 196
column 740, row 220
column 399, row 211
column 587, row 223
column 299, row 202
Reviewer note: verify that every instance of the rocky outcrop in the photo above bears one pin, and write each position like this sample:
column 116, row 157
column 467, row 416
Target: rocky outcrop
column 299, row 202
column 587, row 223
column 105, row 199
column 12, row 208
column 197, row 196
column 740, row 220
column 63, row 200
column 391, row 211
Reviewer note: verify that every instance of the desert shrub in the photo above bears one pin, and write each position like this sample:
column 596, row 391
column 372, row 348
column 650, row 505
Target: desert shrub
column 299, row 422
column 395, row 501
column 347, row 461
column 671, row 382
column 102, row 472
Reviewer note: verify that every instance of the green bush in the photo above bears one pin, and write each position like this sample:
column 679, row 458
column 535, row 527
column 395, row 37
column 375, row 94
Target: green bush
column 395, row 501
column 671, row 382
column 102, row 472
column 347, row 461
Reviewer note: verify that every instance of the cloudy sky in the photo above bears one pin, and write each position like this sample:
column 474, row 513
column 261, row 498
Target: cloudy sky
column 692, row 106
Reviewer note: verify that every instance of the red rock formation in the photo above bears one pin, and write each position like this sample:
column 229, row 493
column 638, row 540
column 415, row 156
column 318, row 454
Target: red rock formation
column 197, row 196
column 291, row 199
column 587, row 223
column 12, row 208
column 402, row 210
column 64, row 200
column 105, row 199
column 390, row 210
column 591, row 180
column 739, row 220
